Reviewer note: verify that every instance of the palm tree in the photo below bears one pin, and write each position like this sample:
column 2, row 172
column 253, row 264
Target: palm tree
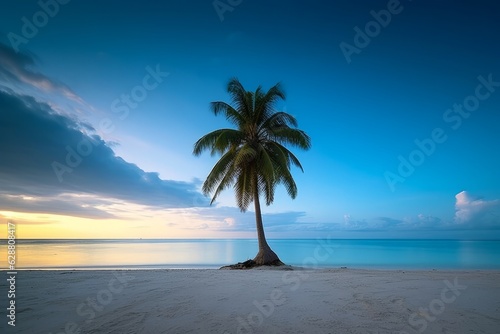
column 254, row 159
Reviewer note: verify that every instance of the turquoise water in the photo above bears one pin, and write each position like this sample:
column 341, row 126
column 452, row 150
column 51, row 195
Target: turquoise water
column 213, row 253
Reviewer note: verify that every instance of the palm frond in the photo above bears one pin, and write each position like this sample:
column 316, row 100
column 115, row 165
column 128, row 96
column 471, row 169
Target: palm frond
column 268, row 169
column 290, row 157
column 289, row 183
column 218, row 172
column 245, row 154
column 231, row 114
column 218, row 141
column 243, row 188
column 295, row 137
column 227, row 181
column 264, row 103
column 240, row 98
column 278, row 119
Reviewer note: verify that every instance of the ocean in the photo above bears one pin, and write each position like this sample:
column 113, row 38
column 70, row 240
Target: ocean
column 214, row 253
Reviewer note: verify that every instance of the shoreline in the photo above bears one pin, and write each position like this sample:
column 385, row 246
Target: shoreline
column 256, row 301
column 213, row 254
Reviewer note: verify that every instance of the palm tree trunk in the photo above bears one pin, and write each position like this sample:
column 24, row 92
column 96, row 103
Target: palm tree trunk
column 266, row 255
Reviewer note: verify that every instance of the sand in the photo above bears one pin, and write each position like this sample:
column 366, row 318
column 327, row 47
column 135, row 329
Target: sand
column 255, row 301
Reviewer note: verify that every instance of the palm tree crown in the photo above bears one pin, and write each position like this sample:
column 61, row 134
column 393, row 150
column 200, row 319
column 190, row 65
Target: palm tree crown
column 253, row 154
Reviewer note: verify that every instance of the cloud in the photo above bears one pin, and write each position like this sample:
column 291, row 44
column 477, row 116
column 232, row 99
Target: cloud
column 471, row 213
column 419, row 222
column 63, row 204
column 476, row 211
column 353, row 224
column 47, row 155
column 374, row 224
column 474, row 215
column 18, row 68
column 231, row 219
column 18, row 74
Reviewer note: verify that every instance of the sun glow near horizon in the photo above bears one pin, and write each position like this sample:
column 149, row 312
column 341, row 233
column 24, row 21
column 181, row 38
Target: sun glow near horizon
column 144, row 223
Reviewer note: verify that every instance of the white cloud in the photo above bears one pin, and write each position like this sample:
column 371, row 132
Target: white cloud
column 477, row 211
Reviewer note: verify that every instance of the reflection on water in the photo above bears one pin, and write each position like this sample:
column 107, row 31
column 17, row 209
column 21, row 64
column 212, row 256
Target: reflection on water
column 213, row 253
column 129, row 253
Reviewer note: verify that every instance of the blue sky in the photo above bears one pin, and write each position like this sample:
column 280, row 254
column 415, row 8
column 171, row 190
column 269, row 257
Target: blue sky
column 401, row 100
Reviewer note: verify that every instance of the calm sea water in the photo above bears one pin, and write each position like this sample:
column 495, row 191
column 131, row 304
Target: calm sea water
column 213, row 253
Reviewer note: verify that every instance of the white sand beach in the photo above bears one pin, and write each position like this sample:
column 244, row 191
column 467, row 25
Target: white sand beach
column 256, row 301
